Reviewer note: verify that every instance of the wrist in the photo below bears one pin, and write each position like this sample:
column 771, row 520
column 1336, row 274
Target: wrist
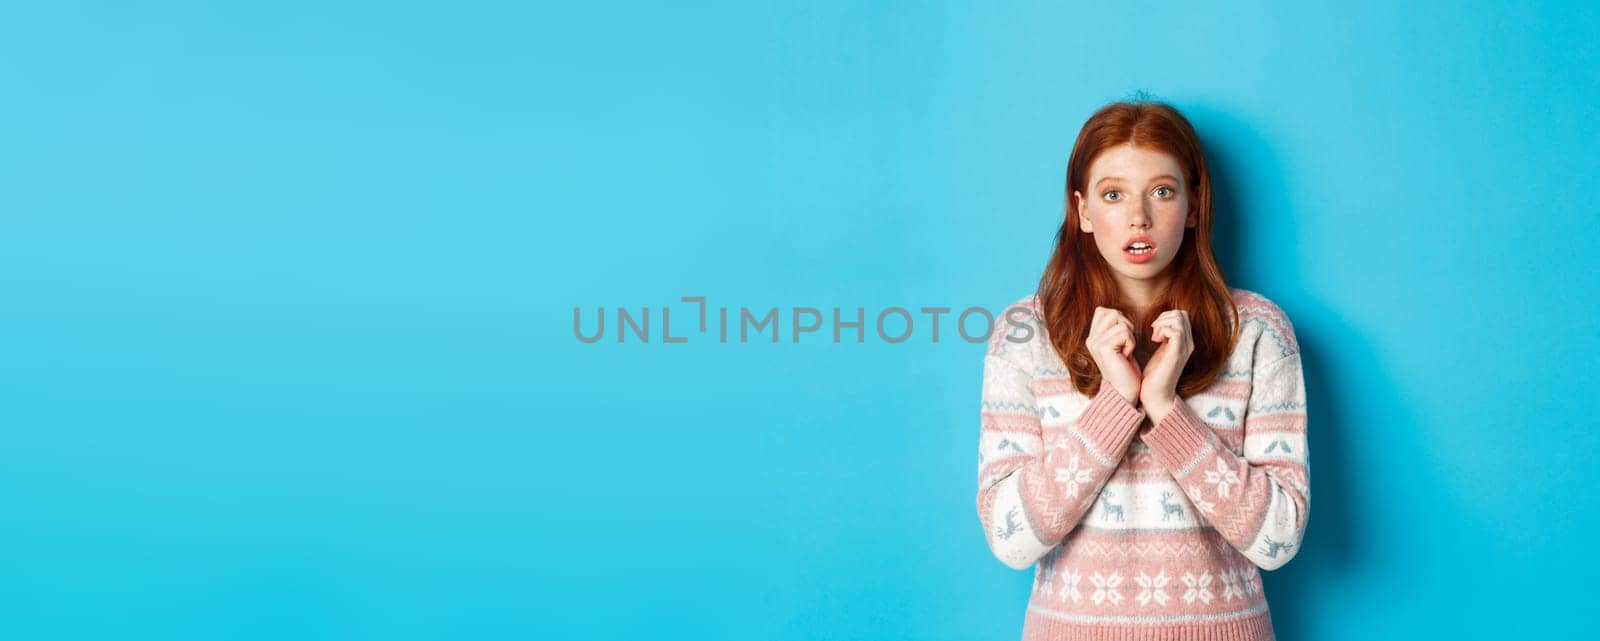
column 1156, row 408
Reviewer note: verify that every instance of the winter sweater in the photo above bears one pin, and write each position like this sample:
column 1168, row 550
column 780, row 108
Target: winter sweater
column 1140, row 531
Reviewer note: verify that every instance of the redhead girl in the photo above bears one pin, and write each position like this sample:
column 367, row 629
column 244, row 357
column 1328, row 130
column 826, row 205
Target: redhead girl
column 1143, row 433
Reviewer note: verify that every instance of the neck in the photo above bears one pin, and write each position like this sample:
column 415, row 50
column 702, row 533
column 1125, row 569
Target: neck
column 1142, row 292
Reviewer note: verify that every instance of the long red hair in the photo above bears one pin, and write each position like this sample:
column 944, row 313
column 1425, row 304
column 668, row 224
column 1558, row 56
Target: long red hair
column 1077, row 278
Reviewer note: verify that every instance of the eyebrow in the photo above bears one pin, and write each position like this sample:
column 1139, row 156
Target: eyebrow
column 1153, row 179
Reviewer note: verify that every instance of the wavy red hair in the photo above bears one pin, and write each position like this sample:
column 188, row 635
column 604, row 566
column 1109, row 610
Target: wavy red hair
column 1077, row 278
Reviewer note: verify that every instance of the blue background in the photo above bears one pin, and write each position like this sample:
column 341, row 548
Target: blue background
column 288, row 342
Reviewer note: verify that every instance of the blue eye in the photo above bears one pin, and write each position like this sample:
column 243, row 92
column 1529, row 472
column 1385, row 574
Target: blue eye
column 1165, row 189
column 1109, row 193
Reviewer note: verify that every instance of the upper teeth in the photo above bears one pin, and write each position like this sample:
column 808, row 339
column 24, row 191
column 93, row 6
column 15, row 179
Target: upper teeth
column 1140, row 245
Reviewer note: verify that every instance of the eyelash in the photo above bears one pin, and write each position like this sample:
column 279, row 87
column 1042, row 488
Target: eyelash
column 1113, row 191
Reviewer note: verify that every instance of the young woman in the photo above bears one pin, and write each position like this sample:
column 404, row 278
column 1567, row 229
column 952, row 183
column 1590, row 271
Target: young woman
column 1144, row 425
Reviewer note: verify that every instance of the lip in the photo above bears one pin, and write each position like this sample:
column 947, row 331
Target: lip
column 1140, row 258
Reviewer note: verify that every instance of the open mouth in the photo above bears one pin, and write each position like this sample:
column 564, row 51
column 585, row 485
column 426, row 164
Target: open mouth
column 1139, row 249
column 1139, row 245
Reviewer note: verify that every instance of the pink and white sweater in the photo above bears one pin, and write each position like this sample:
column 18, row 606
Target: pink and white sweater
column 1140, row 531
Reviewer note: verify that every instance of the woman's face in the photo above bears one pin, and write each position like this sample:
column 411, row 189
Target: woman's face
column 1135, row 193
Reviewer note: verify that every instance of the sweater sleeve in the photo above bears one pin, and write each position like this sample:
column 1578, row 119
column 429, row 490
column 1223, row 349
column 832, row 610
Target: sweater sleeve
column 1258, row 502
column 1037, row 478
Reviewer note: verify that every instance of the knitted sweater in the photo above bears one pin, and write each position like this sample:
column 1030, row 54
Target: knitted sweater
column 1140, row 531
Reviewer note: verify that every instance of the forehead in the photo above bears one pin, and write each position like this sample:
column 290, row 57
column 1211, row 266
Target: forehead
column 1133, row 163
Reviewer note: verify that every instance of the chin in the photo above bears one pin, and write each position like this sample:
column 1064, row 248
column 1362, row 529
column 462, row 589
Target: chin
column 1143, row 272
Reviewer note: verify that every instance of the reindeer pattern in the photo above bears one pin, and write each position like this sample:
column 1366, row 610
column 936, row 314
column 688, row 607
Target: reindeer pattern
column 1272, row 548
column 1110, row 507
column 1169, row 509
column 1011, row 526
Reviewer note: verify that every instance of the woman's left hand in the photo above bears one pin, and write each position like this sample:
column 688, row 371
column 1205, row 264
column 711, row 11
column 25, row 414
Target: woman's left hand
column 1158, row 389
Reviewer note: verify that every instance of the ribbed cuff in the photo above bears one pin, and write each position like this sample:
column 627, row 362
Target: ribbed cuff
column 1110, row 422
column 1179, row 438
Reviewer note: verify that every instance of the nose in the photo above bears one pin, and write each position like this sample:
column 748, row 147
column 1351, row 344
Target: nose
column 1140, row 218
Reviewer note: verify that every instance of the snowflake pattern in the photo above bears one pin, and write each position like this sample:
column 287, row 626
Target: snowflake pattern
column 1198, row 587
column 1151, row 588
column 1054, row 440
column 1069, row 585
column 1222, row 477
column 1072, row 476
column 1205, row 507
column 1231, row 587
column 1105, row 588
column 1252, row 581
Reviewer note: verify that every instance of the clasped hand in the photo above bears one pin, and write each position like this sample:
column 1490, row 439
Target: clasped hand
column 1112, row 344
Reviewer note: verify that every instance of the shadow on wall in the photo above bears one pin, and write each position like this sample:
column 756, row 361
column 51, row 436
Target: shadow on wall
column 1336, row 541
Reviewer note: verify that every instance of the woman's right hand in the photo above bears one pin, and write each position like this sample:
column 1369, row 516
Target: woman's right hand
column 1111, row 343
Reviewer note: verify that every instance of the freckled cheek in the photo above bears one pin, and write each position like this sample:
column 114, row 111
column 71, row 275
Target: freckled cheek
column 1174, row 213
column 1171, row 205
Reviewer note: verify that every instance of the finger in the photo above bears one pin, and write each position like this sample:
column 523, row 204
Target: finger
column 1158, row 325
column 1128, row 324
column 1172, row 314
column 1181, row 329
column 1165, row 333
column 1179, row 340
column 1109, row 320
column 1117, row 316
column 1177, row 322
column 1098, row 327
column 1109, row 335
column 1105, row 318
